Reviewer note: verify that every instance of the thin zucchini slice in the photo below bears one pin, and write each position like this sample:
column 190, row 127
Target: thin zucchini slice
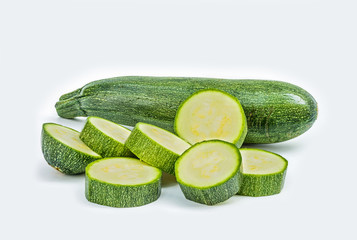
column 122, row 182
column 156, row 146
column 105, row 137
column 211, row 114
column 262, row 172
column 208, row 171
column 63, row 149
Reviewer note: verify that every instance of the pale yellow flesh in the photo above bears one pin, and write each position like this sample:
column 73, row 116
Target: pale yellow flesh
column 165, row 138
column 69, row 137
column 207, row 164
column 123, row 171
column 111, row 129
column 260, row 162
column 209, row 115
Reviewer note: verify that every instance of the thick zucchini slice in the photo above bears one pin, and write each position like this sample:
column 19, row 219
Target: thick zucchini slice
column 156, row 146
column 262, row 172
column 63, row 149
column 122, row 182
column 208, row 171
column 211, row 114
column 105, row 137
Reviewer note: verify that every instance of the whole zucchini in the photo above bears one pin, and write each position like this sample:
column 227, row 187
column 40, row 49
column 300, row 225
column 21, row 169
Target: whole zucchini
column 276, row 111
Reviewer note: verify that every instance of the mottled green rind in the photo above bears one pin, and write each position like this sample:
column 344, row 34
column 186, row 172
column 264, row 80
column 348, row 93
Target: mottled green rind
column 243, row 130
column 101, row 143
column 62, row 157
column 261, row 185
column 257, row 185
column 121, row 196
column 276, row 111
column 150, row 151
column 214, row 194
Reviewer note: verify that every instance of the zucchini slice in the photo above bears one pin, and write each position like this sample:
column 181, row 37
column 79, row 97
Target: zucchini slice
column 208, row 171
column 211, row 114
column 63, row 149
column 156, row 146
column 122, row 182
column 105, row 137
column 262, row 172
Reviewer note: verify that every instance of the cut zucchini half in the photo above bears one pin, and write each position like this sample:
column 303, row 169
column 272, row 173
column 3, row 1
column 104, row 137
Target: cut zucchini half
column 262, row 172
column 122, row 182
column 211, row 114
column 63, row 149
column 156, row 146
column 105, row 137
column 208, row 171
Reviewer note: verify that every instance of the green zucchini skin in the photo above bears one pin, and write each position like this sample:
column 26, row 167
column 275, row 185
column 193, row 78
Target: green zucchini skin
column 121, row 196
column 101, row 143
column 150, row 152
column 276, row 111
column 62, row 157
column 257, row 185
column 264, row 185
column 213, row 195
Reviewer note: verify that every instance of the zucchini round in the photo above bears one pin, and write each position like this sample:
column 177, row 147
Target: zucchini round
column 208, row 172
column 211, row 114
column 276, row 111
column 63, row 150
column 105, row 137
column 156, row 146
column 122, row 182
column 262, row 172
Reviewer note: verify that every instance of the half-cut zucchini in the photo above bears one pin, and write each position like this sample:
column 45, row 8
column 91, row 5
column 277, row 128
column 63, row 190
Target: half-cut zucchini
column 122, row 182
column 262, row 172
column 208, row 171
column 105, row 137
column 211, row 114
column 156, row 146
column 63, row 149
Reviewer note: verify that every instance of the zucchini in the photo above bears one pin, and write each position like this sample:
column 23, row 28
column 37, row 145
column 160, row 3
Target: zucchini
column 211, row 114
column 156, row 146
column 208, row 171
column 276, row 111
column 262, row 173
column 63, row 150
column 122, row 182
column 105, row 137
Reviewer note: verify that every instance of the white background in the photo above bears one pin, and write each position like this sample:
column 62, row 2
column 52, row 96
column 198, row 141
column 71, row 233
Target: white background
column 48, row 48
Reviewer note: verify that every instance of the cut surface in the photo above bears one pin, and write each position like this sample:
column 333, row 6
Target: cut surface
column 69, row 137
column 210, row 114
column 123, row 171
column 260, row 162
column 207, row 164
column 111, row 129
column 164, row 138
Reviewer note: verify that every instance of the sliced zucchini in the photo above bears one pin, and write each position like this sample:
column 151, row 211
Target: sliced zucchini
column 211, row 114
column 63, row 149
column 208, row 171
column 156, row 146
column 105, row 137
column 262, row 172
column 122, row 182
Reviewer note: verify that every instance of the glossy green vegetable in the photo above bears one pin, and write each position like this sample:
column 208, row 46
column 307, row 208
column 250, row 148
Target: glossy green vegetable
column 276, row 111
